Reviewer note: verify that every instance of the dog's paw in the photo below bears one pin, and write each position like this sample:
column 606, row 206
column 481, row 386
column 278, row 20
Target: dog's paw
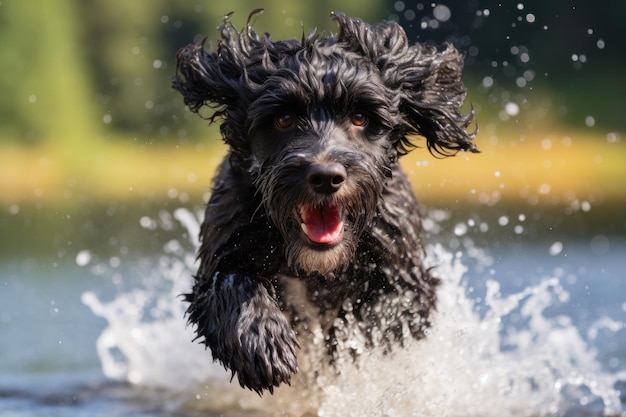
column 268, row 347
column 244, row 328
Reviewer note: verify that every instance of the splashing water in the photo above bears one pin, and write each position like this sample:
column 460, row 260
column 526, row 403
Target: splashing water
column 472, row 363
column 142, row 342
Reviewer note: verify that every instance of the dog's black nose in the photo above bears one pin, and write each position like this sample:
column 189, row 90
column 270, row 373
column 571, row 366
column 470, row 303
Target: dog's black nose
column 326, row 178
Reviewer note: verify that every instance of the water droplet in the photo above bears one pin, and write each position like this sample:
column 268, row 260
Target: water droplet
column 612, row 137
column 172, row 193
column 556, row 248
column 442, row 13
column 512, row 109
column 544, row 189
column 115, row 262
column 460, row 229
column 600, row 245
column 83, row 257
column 147, row 223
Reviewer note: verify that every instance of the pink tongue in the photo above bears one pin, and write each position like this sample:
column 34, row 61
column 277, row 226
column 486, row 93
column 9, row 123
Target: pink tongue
column 322, row 224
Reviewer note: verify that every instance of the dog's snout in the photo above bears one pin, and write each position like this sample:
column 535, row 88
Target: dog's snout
column 326, row 178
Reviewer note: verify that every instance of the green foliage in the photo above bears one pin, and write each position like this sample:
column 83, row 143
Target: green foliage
column 45, row 88
column 131, row 51
column 76, row 70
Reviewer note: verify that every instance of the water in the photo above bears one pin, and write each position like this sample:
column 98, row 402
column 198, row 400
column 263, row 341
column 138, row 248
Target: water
column 530, row 328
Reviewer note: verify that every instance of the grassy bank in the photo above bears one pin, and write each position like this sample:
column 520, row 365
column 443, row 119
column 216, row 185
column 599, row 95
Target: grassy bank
column 552, row 168
column 54, row 201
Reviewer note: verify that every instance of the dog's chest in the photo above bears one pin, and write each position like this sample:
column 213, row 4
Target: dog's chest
column 316, row 306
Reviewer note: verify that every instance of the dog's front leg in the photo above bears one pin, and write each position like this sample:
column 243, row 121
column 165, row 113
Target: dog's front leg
column 244, row 328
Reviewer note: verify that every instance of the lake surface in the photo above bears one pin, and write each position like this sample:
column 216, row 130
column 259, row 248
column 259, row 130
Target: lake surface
column 528, row 325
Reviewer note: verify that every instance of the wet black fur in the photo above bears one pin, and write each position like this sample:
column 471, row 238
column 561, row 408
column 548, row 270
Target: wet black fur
column 247, row 303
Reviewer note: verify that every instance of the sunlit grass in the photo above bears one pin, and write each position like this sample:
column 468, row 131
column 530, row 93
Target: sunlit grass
column 118, row 170
column 540, row 168
column 551, row 168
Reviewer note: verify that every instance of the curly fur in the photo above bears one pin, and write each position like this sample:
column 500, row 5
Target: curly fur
column 316, row 125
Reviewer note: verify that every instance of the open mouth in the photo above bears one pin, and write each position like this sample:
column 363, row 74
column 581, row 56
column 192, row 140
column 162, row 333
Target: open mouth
column 322, row 224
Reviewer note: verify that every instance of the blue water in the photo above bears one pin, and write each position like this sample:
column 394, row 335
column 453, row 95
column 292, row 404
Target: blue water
column 106, row 337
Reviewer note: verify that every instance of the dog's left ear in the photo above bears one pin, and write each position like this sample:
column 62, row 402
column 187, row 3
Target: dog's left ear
column 426, row 81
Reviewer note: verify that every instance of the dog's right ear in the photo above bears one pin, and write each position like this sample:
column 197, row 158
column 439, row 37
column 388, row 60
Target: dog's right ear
column 220, row 81
column 211, row 78
column 217, row 79
column 202, row 79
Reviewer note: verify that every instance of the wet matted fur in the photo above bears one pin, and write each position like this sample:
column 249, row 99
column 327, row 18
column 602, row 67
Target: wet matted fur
column 310, row 198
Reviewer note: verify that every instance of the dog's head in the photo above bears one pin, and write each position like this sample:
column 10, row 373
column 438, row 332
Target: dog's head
column 318, row 124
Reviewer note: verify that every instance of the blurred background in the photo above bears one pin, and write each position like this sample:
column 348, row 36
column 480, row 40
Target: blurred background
column 97, row 151
column 92, row 135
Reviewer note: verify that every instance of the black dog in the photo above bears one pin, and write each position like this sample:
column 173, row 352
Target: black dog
column 311, row 223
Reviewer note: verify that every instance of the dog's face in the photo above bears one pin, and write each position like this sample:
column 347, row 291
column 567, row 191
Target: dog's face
column 318, row 124
column 320, row 149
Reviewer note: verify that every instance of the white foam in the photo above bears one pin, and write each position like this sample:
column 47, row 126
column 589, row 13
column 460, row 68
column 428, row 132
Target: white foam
column 471, row 364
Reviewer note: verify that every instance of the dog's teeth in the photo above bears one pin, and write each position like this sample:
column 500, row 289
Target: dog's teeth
column 304, row 228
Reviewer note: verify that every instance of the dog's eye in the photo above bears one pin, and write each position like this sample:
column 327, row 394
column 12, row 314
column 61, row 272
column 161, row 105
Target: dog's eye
column 359, row 119
column 284, row 121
